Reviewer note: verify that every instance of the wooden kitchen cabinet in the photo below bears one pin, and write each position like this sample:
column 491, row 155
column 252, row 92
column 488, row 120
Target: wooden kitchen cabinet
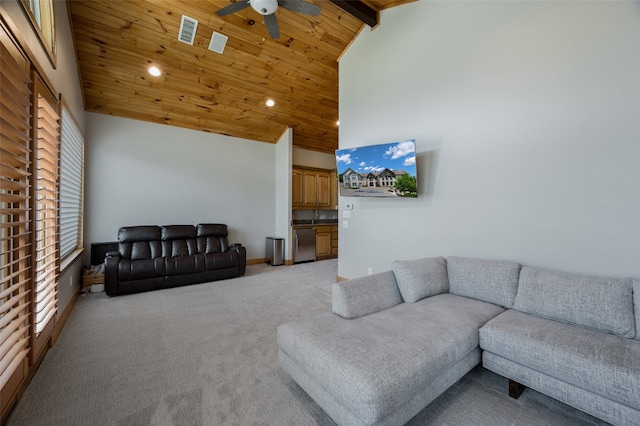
column 323, row 242
column 296, row 188
column 323, row 196
column 334, row 241
column 311, row 189
column 333, row 189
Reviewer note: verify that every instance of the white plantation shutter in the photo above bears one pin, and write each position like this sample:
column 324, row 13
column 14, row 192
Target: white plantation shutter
column 15, row 239
column 71, row 160
column 45, row 238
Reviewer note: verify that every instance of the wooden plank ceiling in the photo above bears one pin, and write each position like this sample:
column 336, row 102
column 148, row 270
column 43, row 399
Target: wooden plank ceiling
column 117, row 40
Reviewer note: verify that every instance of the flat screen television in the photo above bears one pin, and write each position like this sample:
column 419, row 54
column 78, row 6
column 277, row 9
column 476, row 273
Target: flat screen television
column 384, row 170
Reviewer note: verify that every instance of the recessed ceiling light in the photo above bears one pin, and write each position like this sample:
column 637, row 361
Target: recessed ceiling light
column 338, row 123
column 270, row 103
column 154, row 71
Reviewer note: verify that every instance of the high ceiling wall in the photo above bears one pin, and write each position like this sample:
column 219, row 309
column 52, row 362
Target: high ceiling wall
column 525, row 120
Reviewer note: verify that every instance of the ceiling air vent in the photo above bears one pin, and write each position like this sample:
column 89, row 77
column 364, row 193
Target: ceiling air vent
column 188, row 28
column 218, row 41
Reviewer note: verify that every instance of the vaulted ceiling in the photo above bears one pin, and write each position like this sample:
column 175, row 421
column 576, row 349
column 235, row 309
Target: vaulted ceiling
column 117, row 40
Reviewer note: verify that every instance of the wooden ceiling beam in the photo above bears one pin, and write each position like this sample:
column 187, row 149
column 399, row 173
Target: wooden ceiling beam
column 360, row 10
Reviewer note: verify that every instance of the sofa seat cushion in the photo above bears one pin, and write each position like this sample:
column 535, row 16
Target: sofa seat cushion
column 129, row 270
column 213, row 261
column 602, row 363
column 375, row 363
column 184, row 265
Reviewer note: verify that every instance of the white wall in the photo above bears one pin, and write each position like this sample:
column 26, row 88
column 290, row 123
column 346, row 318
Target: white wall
column 525, row 116
column 283, row 191
column 320, row 160
column 140, row 173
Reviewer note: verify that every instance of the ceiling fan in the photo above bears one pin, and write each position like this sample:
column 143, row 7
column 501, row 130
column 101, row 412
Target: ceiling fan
column 267, row 8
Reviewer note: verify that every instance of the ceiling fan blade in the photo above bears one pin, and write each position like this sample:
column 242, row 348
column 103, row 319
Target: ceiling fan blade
column 272, row 25
column 233, row 7
column 300, row 7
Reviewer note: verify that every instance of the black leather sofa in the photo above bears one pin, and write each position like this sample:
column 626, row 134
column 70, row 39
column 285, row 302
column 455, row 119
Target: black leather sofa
column 157, row 257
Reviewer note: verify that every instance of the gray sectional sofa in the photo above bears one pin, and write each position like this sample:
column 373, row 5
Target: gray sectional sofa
column 398, row 339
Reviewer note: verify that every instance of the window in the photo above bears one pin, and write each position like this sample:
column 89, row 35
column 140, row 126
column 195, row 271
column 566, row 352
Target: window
column 30, row 210
column 41, row 14
column 15, row 240
column 71, row 161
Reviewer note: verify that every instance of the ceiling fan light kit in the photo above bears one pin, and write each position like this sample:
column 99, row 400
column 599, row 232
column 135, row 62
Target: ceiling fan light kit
column 264, row 7
column 267, row 8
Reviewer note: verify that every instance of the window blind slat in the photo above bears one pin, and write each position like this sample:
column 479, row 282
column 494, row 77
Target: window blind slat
column 11, row 126
column 15, row 358
column 10, row 198
column 8, row 338
column 14, row 186
column 18, row 285
column 10, row 159
column 12, row 67
column 11, row 173
column 11, row 224
column 11, row 93
column 17, row 145
column 46, row 295
column 15, row 303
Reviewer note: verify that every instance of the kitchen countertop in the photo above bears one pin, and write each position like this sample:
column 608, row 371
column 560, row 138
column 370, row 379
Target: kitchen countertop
column 299, row 224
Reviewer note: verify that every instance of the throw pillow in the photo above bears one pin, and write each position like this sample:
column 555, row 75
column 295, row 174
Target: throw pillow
column 421, row 278
column 493, row 281
column 599, row 303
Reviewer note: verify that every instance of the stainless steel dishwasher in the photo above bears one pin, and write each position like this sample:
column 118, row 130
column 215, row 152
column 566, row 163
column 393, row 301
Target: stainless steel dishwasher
column 304, row 244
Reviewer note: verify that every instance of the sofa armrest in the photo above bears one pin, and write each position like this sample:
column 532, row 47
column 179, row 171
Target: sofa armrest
column 366, row 295
column 242, row 256
column 111, row 262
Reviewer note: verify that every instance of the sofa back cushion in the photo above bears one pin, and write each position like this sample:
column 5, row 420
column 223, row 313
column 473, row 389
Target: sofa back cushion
column 139, row 242
column 212, row 238
column 366, row 295
column 421, row 278
column 178, row 240
column 603, row 304
column 487, row 280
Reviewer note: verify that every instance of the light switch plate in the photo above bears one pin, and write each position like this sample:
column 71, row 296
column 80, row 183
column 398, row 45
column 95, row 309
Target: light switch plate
column 345, row 223
column 346, row 214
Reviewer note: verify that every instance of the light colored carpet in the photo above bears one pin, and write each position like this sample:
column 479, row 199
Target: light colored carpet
column 206, row 355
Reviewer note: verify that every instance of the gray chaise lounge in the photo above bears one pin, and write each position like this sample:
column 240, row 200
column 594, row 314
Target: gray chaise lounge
column 398, row 339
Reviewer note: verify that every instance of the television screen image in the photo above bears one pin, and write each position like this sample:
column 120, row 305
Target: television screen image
column 384, row 170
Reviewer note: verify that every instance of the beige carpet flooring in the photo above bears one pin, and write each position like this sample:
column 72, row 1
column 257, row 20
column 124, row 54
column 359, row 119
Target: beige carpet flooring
column 206, row 354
